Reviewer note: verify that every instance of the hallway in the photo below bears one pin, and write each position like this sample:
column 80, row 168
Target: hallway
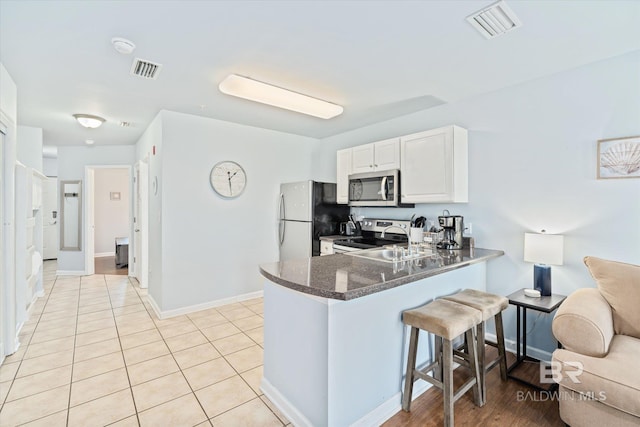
column 93, row 353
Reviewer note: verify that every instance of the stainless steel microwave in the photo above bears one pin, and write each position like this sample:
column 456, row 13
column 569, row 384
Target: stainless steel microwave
column 380, row 188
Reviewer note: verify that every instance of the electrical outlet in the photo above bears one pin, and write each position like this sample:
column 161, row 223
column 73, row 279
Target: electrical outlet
column 469, row 228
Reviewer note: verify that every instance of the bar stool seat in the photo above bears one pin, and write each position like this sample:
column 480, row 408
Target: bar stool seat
column 489, row 305
column 447, row 320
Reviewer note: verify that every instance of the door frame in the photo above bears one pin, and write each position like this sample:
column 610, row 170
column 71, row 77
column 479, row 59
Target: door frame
column 89, row 213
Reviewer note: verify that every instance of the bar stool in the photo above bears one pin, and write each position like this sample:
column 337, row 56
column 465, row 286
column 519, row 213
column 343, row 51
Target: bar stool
column 447, row 320
column 489, row 305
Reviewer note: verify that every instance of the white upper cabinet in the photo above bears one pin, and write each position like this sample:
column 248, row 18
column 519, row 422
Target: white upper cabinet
column 434, row 166
column 381, row 155
column 343, row 169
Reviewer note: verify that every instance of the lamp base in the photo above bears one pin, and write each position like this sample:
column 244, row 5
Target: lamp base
column 542, row 279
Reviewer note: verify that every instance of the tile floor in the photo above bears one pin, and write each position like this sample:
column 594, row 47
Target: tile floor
column 94, row 353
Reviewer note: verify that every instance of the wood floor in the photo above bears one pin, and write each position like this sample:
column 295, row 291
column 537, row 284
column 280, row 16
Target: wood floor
column 107, row 265
column 508, row 404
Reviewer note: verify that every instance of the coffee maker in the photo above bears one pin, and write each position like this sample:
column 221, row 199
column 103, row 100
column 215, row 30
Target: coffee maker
column 453, row 225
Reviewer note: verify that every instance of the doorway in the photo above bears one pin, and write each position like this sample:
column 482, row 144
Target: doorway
column 108, row 219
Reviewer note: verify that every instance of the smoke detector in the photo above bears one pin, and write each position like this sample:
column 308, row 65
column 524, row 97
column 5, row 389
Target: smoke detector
column 494, row 20
column 123, row 46
column 145, row 69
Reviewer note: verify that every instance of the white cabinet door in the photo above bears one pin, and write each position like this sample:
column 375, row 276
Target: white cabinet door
column 362, row 158
column 434, row 166
column 387, row 154
column 326, row 247
column 343, row 169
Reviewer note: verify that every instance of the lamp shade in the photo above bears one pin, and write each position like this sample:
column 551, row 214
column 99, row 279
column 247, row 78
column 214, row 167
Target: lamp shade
column 543, row 248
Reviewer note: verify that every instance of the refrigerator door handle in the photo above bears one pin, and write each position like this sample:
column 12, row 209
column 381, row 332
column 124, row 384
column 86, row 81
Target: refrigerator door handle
column 383, row 188
column 281, row 224
column 281, row 209
column 281, row 229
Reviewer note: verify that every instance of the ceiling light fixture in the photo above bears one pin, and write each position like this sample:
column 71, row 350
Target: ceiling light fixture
column 494, row 20
column 89, row 121
column 123, row 46
column 253, row 90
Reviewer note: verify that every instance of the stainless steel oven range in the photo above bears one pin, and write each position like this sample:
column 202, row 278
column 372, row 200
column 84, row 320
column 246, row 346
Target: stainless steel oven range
column 372, row 229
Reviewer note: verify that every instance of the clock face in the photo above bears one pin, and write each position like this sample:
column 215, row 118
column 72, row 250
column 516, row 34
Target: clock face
column 228, row 179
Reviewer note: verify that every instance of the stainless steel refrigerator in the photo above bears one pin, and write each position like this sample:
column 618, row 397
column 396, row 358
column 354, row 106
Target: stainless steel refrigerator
column 307, row 210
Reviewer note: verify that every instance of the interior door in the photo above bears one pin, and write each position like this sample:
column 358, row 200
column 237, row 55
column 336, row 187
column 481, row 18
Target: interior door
column 140, row 234
column 50, row 212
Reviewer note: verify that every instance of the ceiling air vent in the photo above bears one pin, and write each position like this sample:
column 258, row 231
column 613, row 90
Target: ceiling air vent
column 494, row 20
column 146, row 69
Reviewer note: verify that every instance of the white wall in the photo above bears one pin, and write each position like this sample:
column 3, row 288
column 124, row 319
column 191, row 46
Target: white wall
column 50, row 167
column 30, row 147
column 151, row 138
column 111, row 216
column 532, row 165
column 211, row 247
column 71, row 166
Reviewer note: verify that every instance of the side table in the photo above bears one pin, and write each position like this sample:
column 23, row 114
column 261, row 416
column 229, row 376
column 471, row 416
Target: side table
column 522, row 302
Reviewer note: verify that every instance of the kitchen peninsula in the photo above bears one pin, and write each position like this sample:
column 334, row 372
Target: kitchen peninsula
column 334, row 342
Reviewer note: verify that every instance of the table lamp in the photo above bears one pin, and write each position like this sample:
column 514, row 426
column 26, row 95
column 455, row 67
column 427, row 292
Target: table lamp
column 544, row 250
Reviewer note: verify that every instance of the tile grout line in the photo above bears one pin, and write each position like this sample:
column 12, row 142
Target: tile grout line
column 124, row 360
column 73, row 357
column 164, row 339
column 43, row 308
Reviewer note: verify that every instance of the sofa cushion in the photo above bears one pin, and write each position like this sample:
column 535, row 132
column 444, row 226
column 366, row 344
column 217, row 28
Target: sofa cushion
column 613, row 380
column 619, row 284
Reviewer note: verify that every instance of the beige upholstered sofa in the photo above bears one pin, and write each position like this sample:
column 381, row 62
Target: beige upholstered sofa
column 599, row 364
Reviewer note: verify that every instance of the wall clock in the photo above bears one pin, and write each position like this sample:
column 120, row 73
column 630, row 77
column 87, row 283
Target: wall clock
column 228, row 179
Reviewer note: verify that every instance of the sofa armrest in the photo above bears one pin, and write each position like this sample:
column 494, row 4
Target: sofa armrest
column 584, row 323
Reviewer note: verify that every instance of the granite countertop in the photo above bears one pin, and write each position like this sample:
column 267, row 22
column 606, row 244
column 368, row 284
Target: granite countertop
column 345, row 277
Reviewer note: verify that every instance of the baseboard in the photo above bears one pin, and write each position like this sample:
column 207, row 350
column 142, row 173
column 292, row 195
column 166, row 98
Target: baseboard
column 204, row 306
column 511, row 347
column 377, row 417
column 154, row 306
column 390, row 407
column 70, row 273
column 281, row 402
column 104, row 254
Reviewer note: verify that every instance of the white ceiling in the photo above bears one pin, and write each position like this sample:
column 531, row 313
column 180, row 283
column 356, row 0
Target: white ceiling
column 379, row 59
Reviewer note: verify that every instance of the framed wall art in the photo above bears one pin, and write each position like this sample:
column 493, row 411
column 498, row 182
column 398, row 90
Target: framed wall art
column 619, row 158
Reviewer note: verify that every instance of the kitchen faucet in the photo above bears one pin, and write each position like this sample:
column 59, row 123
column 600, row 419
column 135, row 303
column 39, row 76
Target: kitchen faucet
column 406, row 231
